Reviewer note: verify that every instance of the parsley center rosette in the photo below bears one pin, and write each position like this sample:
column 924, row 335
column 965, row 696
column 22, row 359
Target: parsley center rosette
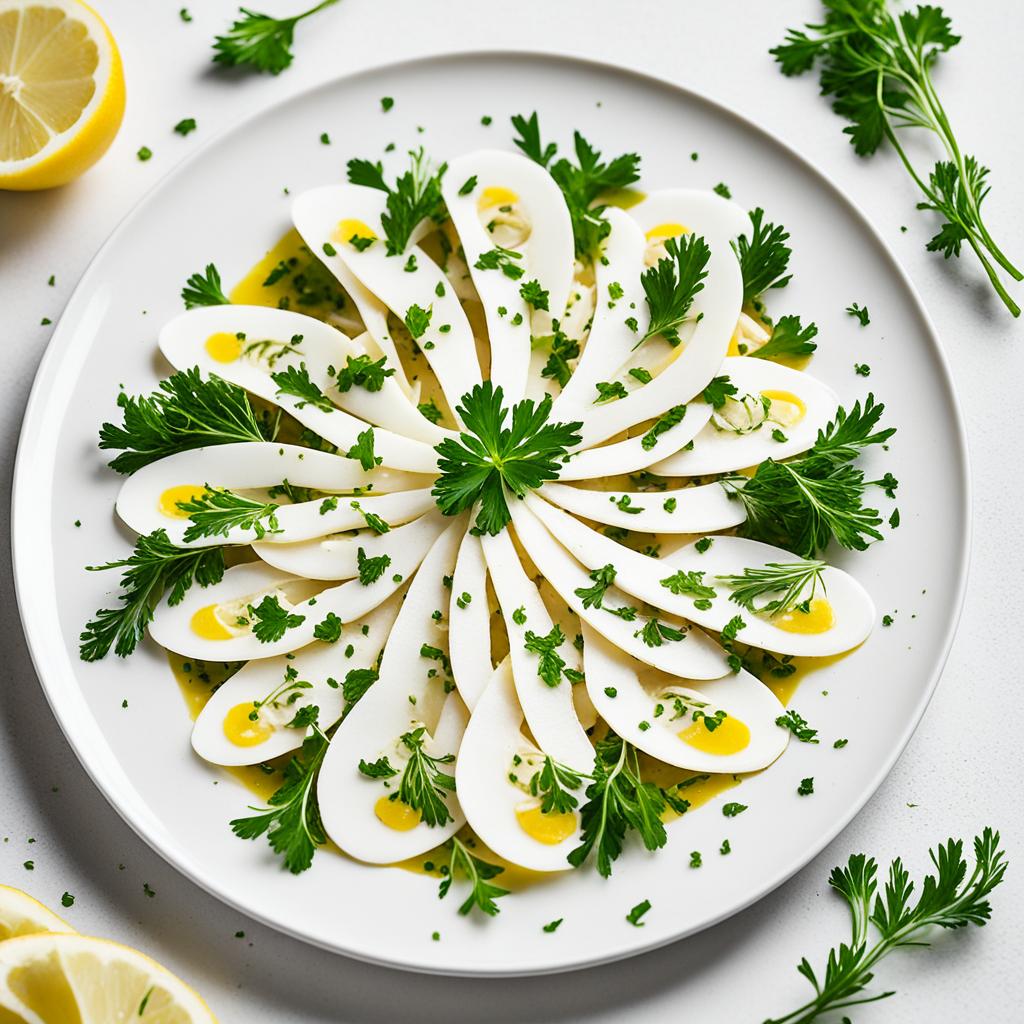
column 491, row 458
column 450, row 488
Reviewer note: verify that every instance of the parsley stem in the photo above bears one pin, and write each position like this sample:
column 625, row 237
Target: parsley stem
column 313, row 10
column 976, row 239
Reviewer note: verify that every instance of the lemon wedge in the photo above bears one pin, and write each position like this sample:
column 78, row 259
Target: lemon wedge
column 22, row 915
column 61, row 91
column 74, row 979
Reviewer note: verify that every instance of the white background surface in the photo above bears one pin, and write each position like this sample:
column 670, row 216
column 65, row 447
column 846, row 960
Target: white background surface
column 960, row 769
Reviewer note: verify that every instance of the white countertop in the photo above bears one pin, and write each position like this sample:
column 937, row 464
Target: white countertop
column 961, row 769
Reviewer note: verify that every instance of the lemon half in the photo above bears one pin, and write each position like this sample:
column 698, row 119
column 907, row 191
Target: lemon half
column 61, row 91
column 74, row 979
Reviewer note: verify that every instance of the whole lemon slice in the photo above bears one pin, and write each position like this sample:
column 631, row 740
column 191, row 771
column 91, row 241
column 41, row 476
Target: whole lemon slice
column 22, row 915
column 61, row 91
column 74, row 979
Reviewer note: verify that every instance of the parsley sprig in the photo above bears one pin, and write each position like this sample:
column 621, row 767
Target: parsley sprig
column 292, row 822
column 672, row 284
column 204, row 289
column 949, row 899
column 364, row 372
column 877, row 64
column 295, row 381
column 270, row 621
column 789, row 340
column 764, row 256
column 801, row 505
column 185, row 412
column 415, row 196
column 553, row 783
column 618, row 802
column 260, row 41
column 550, row 664
column 478, row 872
column 489, row 456
column 153, row 568
column 582, row 183
column 424, row 786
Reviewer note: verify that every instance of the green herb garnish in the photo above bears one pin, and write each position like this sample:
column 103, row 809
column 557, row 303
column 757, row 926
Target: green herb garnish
column 801, row 505
column 489, row 456
column 153, row 568
column 877, row 65
column 185, row 412
column 260, row 41
column 949, row 899
column 292, row 822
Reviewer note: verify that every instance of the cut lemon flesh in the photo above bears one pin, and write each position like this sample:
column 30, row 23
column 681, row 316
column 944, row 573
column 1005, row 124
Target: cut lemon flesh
column 74, row 979
column 22, row 915
column 61, row 91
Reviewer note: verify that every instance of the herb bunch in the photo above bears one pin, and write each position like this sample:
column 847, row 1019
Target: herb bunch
column 949, row 899
column 153, row 568
column 185, row 412
column 877, row 66
column 803, row 504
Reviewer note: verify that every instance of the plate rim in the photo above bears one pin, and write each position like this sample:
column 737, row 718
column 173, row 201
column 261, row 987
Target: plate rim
column 59, row 343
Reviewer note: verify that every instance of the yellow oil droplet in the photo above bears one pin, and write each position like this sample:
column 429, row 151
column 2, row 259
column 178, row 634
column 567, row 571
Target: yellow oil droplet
column 168, row 503
column 206, row 624
column 729, row 737
column 242, row 730
column 623, row 198
column 819, row 618
column 393, row 813
column 349, row 228
column 787, row 409
column 252, row 291
column 495, row 195
column 549, row 829
column 667, row 230
column 785, row 686
column 223, row 347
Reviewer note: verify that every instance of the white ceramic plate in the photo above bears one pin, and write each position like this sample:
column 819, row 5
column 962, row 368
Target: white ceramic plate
column 227, row 205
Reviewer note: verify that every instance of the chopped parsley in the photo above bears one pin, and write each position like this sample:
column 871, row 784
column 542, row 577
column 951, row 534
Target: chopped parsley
column 371, row 569
column 633, row 917
column 364, row 372
column 270, row 621
column 550, row 664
